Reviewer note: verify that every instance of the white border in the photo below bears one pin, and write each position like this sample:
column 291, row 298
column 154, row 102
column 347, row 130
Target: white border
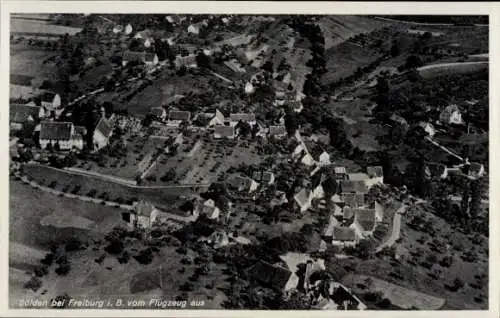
column 248, row 7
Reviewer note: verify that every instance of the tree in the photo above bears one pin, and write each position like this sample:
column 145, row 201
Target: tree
column 63, row 269
column 268, row 66
column 34, row 284
column 413, row 61
column 202, row 60
column 395, row 49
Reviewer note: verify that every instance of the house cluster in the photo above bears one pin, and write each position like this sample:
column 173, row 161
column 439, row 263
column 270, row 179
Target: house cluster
column 436, row 171
column 344, row 196
column 220, row 126
column 246, row 185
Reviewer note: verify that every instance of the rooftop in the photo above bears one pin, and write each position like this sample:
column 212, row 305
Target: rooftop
column 52, row 130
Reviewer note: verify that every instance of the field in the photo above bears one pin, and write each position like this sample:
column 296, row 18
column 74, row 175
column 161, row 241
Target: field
column 158, row 196
column 30, row 62
column 204, row 160
column 20, row 26
column 402, row 297
column 29, row 242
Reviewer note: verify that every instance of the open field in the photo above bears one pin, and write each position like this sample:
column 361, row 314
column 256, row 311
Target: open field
column 87, row 278
column 31, row 63
column 63, row 179
column 402, row 297
column 20, row 26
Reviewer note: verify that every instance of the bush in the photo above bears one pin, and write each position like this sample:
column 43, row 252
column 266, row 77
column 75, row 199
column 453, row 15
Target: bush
column 34, row 284
column 73, row 244
column 41, row 270
column 115, row 247
column 48, row 259
column 145, row 256
column 124, row 258
column 63, row 269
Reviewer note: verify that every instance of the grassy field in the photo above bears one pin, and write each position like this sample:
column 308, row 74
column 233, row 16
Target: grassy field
column 20, row 25
column 29, row 240
column 46, row 175
column 30, row 62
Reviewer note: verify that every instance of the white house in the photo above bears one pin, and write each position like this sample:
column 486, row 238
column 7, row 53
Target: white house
column 243, row 184
column 428, row 128
column 218, row 119
column 451, row 115
column 307, row 160
column 61, row 134
column 324, row 158
column 128, row 29
column 249, row 88
column 102, row 133
column 193, row 29
column 143, row 215
column 49, row 102
column 303, row 199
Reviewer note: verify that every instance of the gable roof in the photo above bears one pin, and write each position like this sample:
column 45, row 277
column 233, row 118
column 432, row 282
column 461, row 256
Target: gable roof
column 271, row 275
column 365, row 218
column 53, row 130
column 375, row 171
column 179, row 115
column 277, row 130
column 340, row 170
column 354, row 200
column 242, row 117
column 21, row 113
column 344, row 234
column 357, row 186
column 134, row 56
column 219, row 115
column 104, row 127
column 302, row 197
column 225, row 131
column 143, row 208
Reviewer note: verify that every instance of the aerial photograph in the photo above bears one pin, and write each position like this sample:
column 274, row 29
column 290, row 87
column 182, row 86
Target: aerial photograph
column 228, row 161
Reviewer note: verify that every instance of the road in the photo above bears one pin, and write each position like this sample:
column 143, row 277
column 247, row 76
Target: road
column 396, row 229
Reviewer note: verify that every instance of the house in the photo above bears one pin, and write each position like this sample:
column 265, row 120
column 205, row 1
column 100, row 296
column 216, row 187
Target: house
column 248, row 118
column 22, row 116
column 117, row 29
column 272, row 276
column 340, row 173
column 307, row 160
column 235, row 66
column 61, row 134
column 133, row 57
column 176, row 117
column 223, row 131
column 217, row 119
column 188, row 61
column 356, row 186
column 278, row 131
column 143, row 215
column 324, row 158
column 264, row 177
column 428, row 128
column 476, row 170
column 102, row 133
column 303, row 198
column 296, row 106
column 279, row 199
column 193, row 29
column 49, row 100
column 151, row 59
column 249, row 88
column 332, row 223
column 376, row 174
column 353, row 200
column 218, row 239
column 436, row 170
column 208, row 209
column 364, row 220
column 451, row 115
column 297, row 152
column 344, row 236
column 128, row 29
column 159, row 113
column 241, row 184
column 338, row 297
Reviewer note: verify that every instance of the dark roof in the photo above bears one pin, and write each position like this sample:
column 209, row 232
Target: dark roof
column 354, row 200
column 357, row 186
column 242, row 117
column 21, row 113
column 149, row 57
column 52, row 130
column 365, row 218
column 475, row 167
column 104, row 127
column 224, row 131
column 157, row 111
column 179, row 115
column 264, row 176
column 277, row 130
column 344, row 234
column 134, row 56
column 375, row 171
column 47, row 97
column 271, row 275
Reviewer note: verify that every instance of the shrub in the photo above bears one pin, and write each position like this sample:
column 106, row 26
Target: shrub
column 48, row 259
column 63, row 269
column 145, row 256
column 34, row 284
column 41, row 270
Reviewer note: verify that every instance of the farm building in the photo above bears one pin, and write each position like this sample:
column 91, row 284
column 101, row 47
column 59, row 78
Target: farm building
column 159, row 113
column 222, row 131
column 272, row 276
column 176, row 117
column 208, row 209
column 117, row 29
column 475, row 170
column 60, row 134
column 307, row 160
column 338, row 297
column 277, row 132
column 364, row 220
column 102, row 133
column 22, row 116
column 218, row 239
column 143, row 215
column 248, row 118
column 235, row 66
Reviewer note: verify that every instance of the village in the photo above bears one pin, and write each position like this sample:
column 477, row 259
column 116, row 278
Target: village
column 247, row 172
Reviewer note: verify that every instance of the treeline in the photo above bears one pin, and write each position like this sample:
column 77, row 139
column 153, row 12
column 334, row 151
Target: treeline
column 449, row 19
